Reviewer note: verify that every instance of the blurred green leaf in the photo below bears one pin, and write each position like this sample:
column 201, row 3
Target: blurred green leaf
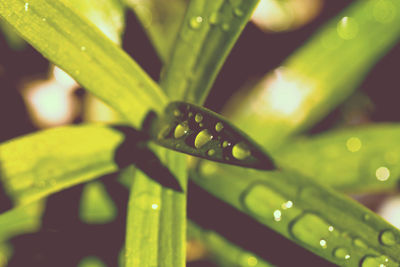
column 91, row 261
column 86, row 54
column 364, row 159
column 96, row 206
column 222, row 251
column 316, row 217
column 161, row 19
column 12, row 38
column 107, row 15
column 20, row 220
column 320, row 74
column 39, row 164
column 208, row 33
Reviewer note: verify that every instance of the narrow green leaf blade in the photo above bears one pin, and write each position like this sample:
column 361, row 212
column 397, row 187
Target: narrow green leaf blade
column 39, row 164
column 364, row 159
column 156, row 218
column 207, row 35
column 320, row 74
column 316, row 217
column 222, row 251
column 79, row 48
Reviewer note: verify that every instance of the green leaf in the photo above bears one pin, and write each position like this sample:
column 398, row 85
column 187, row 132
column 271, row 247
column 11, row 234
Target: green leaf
column 20, row 220
column 208, row 33
column 200, row 132
column 364, row 159
column 39, row 164
column 107, row 15
column 156, row 223
column 96, row 206
column 316, row 217
column 222, row 251
column 320, row 74
column 79, row 48
column 91, row 261
column 161, row 19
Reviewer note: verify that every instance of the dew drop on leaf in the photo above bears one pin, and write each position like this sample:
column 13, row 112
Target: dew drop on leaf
column 211, row 152
column 219, row 126
column 341, row 253
column 146, row 201
column 387, row 238
column 202, row 138
column 310, row 229
column 195, row 22
column 181, row 130
column 198, row 118
column 374, row 261
column 225, row 144
column 240, row 151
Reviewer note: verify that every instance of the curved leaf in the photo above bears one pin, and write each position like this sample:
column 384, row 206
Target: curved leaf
column 316, row 217
column 200, row 132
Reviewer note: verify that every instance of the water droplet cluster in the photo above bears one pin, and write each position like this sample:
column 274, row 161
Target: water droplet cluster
column 200, row 132
column 312, row 229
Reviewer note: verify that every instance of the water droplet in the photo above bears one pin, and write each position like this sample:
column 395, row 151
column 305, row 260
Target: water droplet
column 195, row 22
column 323, row 244
column 26, row 6
column 353, row 144
column 202, row 138
column 177, row 113
column 347, row 28
column 247, row 259
column 225, row 144
column 225, row 27
column 83, row 48
column 310, row 229
column 43, row 19
column 211, row 152
column 359, row 243
column 387, row 238
column 240, row 151
column 374, row 261
column 331, row 228
column 277, row 215
column 254, row 202
column 287, row 205
column 341, row 253
column 214, row 18
column 198, row 118
column 382, row 173
column 219, row 126
column 146, row 201
column 238, row 12
column 366, row 217
column 181, row 130
column 384, row 11
column 201, row 124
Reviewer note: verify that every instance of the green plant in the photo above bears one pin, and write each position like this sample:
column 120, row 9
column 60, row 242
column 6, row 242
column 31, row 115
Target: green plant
column 294, row 201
